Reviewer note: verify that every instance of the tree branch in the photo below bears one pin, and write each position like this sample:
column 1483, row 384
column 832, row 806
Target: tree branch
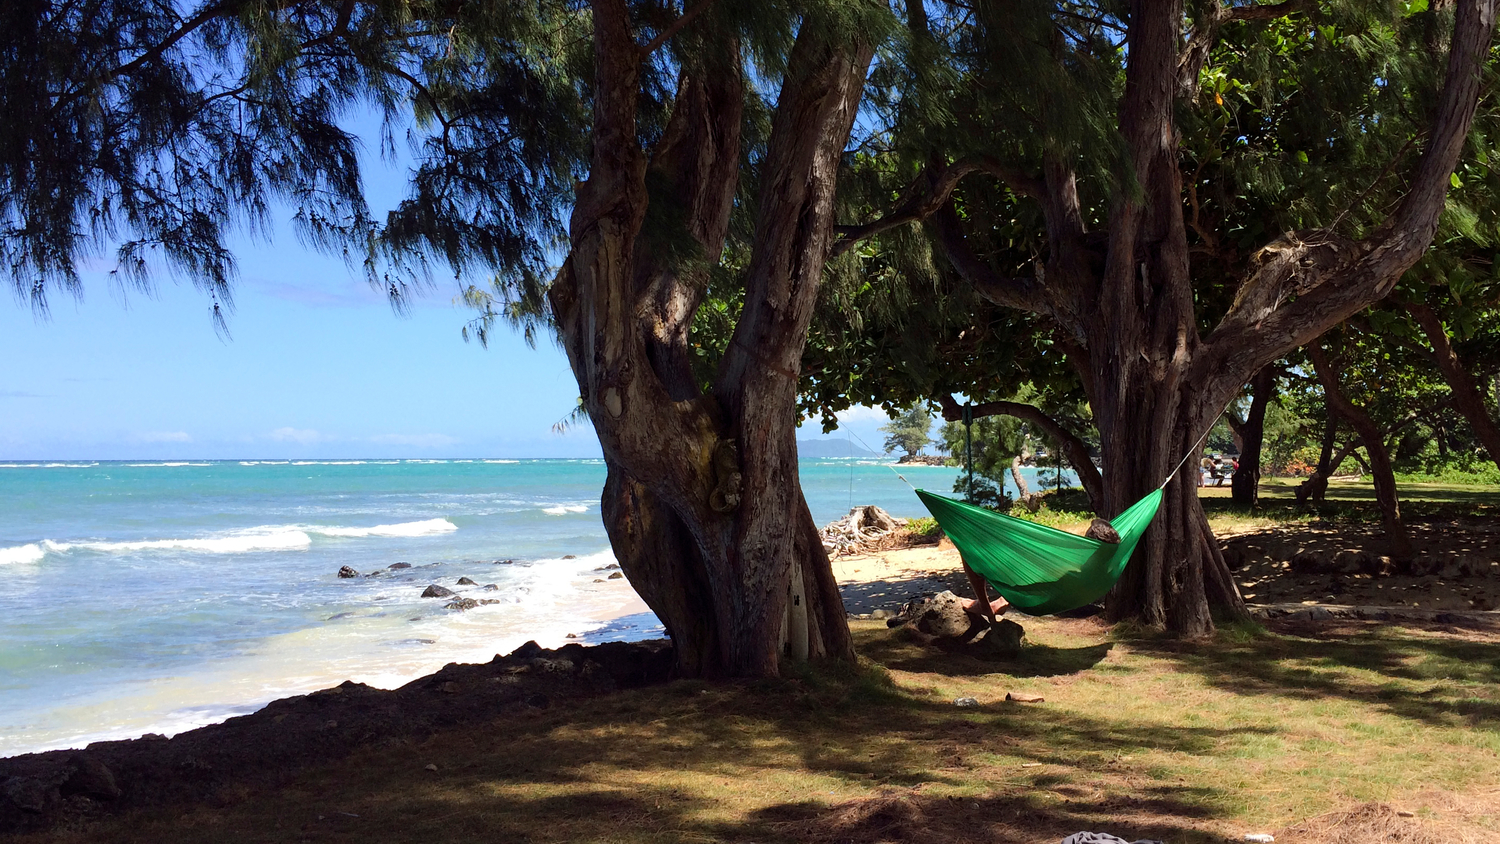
column 923, row 198
column 1331, row 278
column 677, row 26
column 1021, row 293
column 1073, row 446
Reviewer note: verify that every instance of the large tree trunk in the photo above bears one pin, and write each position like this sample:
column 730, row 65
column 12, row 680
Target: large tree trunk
column 703, row 504
column 1245, row 486
column 1380, row 459
column 1467, row 397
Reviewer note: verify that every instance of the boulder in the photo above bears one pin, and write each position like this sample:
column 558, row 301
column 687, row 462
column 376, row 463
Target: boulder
column 464, row 581
column 91, row 778
column 28, row 793
column 491, row 587
column 1004, row 639
column 436, row 591
column 616, row 576
column 937, row 616
column 345, row 571
column 1312, row 562
column 1352, row 561
column 399, row 566
column 461, row 604
column 570, row 556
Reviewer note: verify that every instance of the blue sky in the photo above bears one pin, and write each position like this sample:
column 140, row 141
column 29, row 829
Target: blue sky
column 316, row 365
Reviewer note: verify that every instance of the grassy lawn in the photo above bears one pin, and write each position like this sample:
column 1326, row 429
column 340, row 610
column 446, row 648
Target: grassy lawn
column 1188, row 742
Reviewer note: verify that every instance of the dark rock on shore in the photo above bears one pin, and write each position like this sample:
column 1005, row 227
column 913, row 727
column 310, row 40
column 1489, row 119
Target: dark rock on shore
column 436, row 591
column 345, row 571
column 65, row 789
column 396, row 566
column 464, row 581
column 491, row 587
column 616, row 576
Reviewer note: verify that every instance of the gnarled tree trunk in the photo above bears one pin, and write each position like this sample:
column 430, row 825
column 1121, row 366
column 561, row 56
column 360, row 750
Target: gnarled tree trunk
column 1467, row 397
column 1380, row 458
column 1245, row 485
column 702, row 504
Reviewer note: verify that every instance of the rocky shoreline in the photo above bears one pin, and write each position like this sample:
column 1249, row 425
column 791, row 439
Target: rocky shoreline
column 65, row 788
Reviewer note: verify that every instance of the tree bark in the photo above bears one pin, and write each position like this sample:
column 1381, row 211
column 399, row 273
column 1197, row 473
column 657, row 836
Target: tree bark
column 1380, row 459
column 1245, row 486
column 702, row 504
column 1467, row 397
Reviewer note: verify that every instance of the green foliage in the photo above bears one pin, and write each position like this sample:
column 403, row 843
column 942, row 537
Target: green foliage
column 908, row 431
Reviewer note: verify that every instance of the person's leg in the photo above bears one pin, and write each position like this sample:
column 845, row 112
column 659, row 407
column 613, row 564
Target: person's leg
column 981, row 605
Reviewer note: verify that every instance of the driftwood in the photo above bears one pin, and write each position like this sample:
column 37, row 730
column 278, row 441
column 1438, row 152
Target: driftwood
column 865, row 529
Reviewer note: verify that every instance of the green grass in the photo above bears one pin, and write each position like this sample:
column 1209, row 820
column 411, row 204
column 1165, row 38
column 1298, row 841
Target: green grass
column 1139, row 735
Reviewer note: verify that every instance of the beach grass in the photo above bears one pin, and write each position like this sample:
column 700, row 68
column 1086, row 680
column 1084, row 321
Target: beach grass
column 1254, row 731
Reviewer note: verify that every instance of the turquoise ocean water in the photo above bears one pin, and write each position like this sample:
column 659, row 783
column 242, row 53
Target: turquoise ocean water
column 159, row 596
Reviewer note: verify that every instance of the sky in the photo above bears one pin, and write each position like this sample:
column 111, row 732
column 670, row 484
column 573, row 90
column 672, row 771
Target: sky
column 316, row 365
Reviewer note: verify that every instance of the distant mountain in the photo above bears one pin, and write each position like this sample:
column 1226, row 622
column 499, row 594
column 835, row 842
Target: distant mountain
column 831, row 447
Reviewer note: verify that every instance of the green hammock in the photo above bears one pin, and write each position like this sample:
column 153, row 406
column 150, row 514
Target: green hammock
column 1041, row 570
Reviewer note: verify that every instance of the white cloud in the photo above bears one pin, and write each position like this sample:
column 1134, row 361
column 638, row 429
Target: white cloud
column 164, row 437
column 863, row 413
column 305, row 436
column 415, row 440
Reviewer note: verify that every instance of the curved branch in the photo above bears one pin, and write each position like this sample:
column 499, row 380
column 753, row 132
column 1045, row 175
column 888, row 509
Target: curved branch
column 1073, row 446
column 677, row 26
column 929, row 191
column 1020, row 293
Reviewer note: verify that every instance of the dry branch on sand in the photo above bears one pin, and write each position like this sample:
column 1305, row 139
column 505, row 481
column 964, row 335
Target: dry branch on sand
column 866, row 528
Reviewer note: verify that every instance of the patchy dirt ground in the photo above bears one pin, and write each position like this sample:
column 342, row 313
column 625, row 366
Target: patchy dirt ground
column 1457, row 566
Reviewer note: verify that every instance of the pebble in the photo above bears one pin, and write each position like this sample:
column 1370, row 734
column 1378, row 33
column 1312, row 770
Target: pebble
column 1260, row 837
column 966, row 702
column 429, row 767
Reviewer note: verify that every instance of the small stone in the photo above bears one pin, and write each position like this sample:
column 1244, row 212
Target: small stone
column 617, row 576
column 345, row 571
column 461, row 604
column 1260, row 838
column 598, row 580
column 1022, row 697
column 571, row 636
column 491, row 587
column 1405, row 813
column 436, row 591
column 570, row 556
column 398, row 566
column 966, row 703
column 504, row 562
column 464, row 581
column 429, row 767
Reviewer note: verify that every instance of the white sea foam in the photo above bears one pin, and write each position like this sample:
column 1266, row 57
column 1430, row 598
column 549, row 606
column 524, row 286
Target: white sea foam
column 22, row 554
column 426, row 527
column 260, row 539
column 502, row 461
column 163, row 465
column 329, row 463
column 564, row 509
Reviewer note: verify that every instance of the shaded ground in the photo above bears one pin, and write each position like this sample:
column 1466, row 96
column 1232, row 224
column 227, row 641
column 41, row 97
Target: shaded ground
column 1255, row 732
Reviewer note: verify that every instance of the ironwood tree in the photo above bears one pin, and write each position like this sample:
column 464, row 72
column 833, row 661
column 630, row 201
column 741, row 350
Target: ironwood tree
column 1215, row 188
column 655, row 147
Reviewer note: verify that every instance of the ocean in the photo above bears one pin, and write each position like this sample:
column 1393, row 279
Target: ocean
column 157, row 597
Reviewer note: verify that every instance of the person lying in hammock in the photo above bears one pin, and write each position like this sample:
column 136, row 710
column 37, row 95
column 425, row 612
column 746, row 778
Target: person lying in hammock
column 981, row 605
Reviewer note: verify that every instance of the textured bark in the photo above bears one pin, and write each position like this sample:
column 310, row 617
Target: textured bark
column 1246, row 481
column 702, row 503
column 1467, row 398
column 1380, row 459
column 1312, row 490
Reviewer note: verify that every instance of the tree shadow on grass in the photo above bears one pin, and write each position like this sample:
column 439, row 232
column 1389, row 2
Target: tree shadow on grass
column 890, row 594
column 837, row 755
column 1439, row 680
column 1035, row 660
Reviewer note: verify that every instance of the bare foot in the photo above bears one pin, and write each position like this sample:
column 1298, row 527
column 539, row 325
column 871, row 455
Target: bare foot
column 997, row 607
